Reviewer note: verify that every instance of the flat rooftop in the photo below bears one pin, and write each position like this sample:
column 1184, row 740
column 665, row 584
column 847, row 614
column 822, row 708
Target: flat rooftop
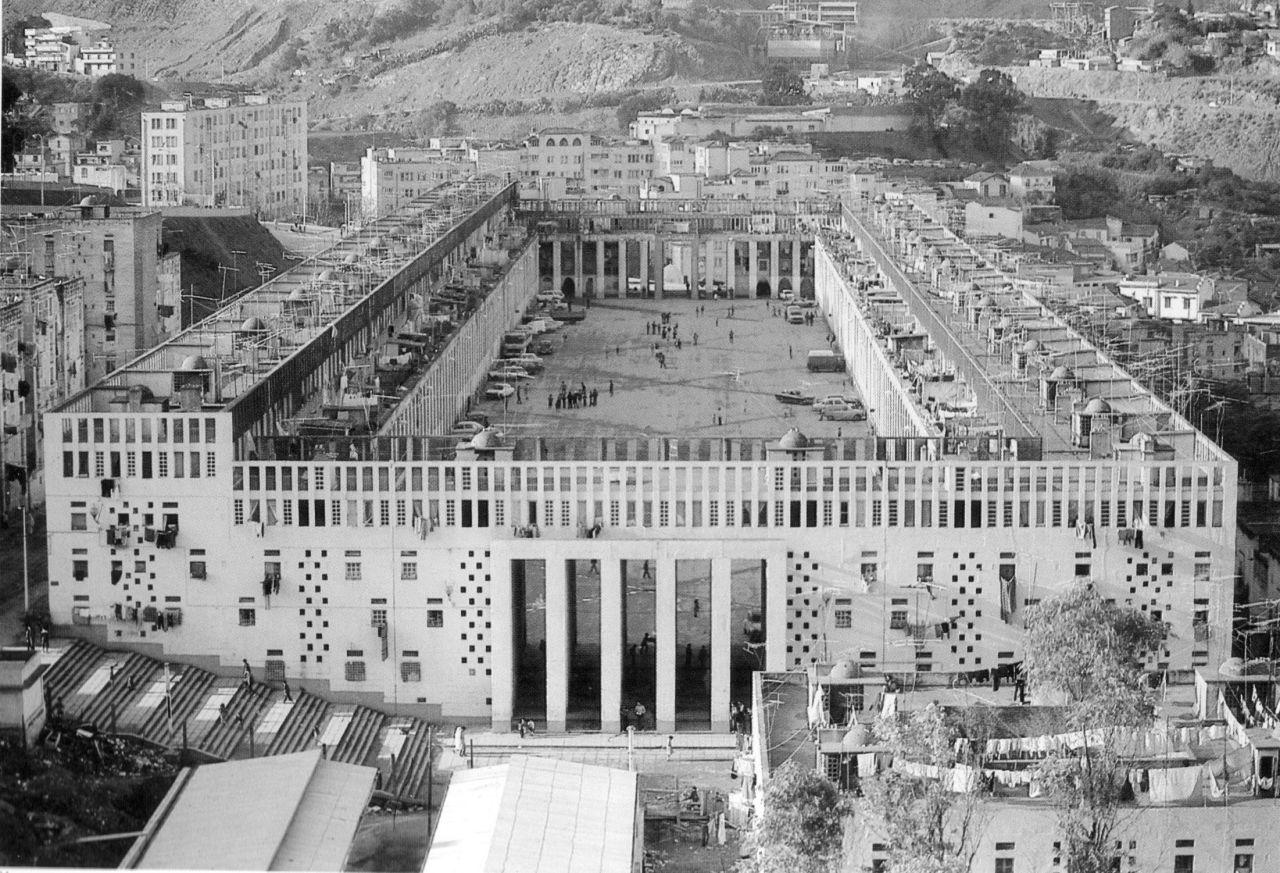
column 702, row 383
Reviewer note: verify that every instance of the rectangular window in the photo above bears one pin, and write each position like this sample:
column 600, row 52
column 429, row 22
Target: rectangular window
column 377, row 618
column 79, row 521
column 409, row 570
column 198, row 570
column 410, row 671
column 248, row 617
column 1184, row 863
column 353, row 571
column 1004, row 865
column 844, row 618
column 80, row 570
column 435, row 618
column 354, row 671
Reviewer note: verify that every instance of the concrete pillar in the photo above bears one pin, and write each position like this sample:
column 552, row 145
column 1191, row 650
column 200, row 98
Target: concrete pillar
column 645, row 275
column 502, row 680
column 773, row 266
column 730, row 272
column 658, row 265
column 775, row 599
column 579, row 272
column 753, row 267
column 622, row 267
column 721, row 641
column 557, row 644
column 555, row 264
column 612, row 638
column 665, row 630
column 600, row 244
column 695, row 270
column 795, row 265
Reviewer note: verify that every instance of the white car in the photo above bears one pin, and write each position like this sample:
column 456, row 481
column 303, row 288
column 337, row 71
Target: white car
column 836, row 399
column 842, row 412
column 786, row 294
column 467, row 428
column 509, row 374
column 499, row 391
column 549, row 297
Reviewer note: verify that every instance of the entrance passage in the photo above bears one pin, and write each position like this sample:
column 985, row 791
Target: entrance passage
column 747, row 653
column 693, row 645
column 583, row 578
column 529, row 638
column 639, row 665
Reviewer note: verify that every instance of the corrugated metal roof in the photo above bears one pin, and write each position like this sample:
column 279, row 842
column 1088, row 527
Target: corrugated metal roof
column 284, row 812
column 537, row 815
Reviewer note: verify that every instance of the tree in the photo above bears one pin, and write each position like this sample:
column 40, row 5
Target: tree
column 994, row 100
column 800, row 828
column 782, row 87
column 19, row 122
column 928, row 827
column 1083, row 652
column 929, row 92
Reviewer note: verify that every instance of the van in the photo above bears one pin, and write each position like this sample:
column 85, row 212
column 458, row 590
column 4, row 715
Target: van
column 825, row 361
column 795, row 315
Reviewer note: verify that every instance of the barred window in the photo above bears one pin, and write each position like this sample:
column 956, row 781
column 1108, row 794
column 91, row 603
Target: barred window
column 435, row 618
column 248, row 617
column 844, row 618
column 410, row 671
column 211, row 468
column 162, row 464
column 377, row 618
column 275, row 670
column 354, row 671
column 353, row 571
column 409, row 570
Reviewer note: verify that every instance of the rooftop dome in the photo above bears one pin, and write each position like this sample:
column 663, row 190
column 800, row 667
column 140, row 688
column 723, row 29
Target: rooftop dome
column 252, row 323
column 1097, row 406
column 1232, row 667
column 843, row 670
column 857, row 737
column 487, row 439
column 793, row 440
column 1061, row 373
column 193, row 363
column 1031, row 346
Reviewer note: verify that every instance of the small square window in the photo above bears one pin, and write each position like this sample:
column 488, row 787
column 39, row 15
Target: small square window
column 248, row 617
column 435, row 618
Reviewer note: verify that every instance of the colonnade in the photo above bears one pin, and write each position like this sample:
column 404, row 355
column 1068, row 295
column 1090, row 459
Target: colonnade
column 713, row 257
column 561, row 603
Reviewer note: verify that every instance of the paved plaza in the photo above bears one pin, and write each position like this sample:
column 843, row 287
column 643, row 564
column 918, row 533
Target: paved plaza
column 703, row 382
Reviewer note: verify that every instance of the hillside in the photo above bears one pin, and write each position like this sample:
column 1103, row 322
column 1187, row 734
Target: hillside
column 1233, row 121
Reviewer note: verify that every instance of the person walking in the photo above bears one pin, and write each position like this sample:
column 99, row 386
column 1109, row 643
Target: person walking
column 248, row 674
column 730, row 337
column 688, row 656
column 644, row 571
column 671, row 746
column 459, row 740
column 610, row 387
column 44, row 637
column 288, row 694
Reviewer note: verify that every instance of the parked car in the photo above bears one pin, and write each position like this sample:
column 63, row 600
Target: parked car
column 542, row 347
column 795, row 315
column 549, row 297
column 836, row 399
column 499, row 391
column 509, row 374
column 786, row 294
column 842, row 412
column 467, row 428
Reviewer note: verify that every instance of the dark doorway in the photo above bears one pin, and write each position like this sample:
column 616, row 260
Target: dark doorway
column 763, row 289
column 567, row 287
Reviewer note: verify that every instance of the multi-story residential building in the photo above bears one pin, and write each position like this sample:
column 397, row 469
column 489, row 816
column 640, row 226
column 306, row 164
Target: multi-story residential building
column 393, row 177
column 108, row 165
column 1033, row 180
column 70, row 117
column 215, row 152
column 276, row 484
column 42, row 364
column 116, row 251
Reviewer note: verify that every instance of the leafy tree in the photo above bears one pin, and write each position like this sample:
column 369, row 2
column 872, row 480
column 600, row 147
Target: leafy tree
column 929, row 91
column 15, row 34
column 800, row 828
column 994, row 101
column 927, row 826
column 1083, row 651
column 782, row 87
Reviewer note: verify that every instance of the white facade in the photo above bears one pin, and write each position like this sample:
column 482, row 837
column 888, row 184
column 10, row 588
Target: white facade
column 251, row 155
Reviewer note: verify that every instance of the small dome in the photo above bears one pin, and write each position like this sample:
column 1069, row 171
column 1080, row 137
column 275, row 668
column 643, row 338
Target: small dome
column 793, row 439
column 857, row 737
column 87, row 200
column 252, row 323
column 1097, row 406
column 487, row 439
column 1061, row 373
column 192, row 363
column 1248, row 309
column 1232, row 667
column 843, row 670
column 1031, row 346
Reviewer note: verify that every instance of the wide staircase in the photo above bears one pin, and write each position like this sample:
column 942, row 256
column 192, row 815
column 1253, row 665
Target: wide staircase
column 224, row 720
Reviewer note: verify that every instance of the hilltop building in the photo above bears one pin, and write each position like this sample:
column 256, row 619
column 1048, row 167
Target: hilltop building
column 216, row 152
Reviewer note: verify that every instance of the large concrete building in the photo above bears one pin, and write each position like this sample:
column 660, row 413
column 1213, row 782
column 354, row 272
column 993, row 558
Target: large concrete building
column 277, row 484
column 216, row 152
column 117, row 252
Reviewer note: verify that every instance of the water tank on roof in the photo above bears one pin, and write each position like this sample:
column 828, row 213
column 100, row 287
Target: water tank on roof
column 857, row 737
column 793, row 440
column 193, row 363
column 252, row 324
